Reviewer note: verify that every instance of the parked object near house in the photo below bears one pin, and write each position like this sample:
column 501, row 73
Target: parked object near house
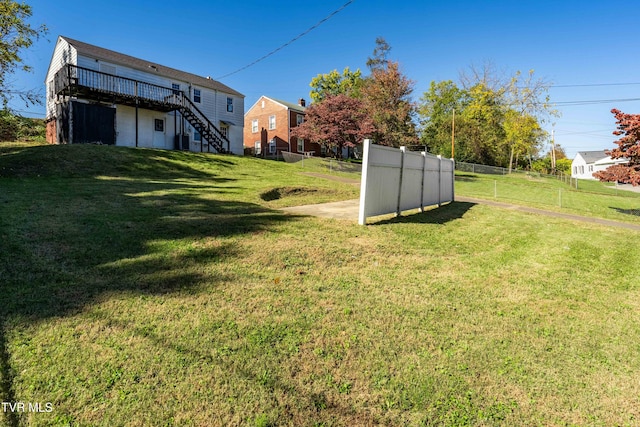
column 586, row 163
column 95, row 95
column 268, row 125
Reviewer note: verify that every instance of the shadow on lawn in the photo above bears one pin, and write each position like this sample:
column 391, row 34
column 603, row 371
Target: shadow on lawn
column 634, row 212
column 441, row 215
column 70, row 243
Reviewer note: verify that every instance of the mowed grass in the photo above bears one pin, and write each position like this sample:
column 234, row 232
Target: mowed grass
column 592, row 198
column 153, row 288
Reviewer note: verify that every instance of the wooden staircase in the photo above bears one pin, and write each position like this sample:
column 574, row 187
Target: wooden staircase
column 209, row 132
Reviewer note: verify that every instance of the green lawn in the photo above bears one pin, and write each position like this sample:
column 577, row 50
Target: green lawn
column 155, row 288
column 592, row 198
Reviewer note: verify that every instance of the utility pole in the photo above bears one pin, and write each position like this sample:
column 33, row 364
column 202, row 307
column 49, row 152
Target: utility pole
column 453, row 134
column 553, row 150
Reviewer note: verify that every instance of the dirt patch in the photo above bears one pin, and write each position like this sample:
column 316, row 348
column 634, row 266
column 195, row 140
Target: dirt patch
column 282, row 192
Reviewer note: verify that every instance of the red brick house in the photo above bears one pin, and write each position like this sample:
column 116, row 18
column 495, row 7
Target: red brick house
column 267, row 128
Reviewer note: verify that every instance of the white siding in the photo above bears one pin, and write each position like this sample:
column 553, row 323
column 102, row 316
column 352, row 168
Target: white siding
column 63, row 54
column 126, row 128
column 213, row 103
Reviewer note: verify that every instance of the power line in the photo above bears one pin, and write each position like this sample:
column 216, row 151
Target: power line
column 595, row 101
column 597, row 84
column 290, row 41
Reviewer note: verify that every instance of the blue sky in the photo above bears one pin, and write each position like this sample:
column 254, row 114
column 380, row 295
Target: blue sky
column 587, row 50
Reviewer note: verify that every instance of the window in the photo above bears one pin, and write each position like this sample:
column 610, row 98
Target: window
column 51, row 90
column 299, row 119
column 258, row 147
column 323, row 149
column 229, row 105
column 254, row 126
column 196, row 136
column 300, row 145
column 159, row 125
column 272, row 122
column 590, row 168
column 196, row 96
column 176, row 88
column 224, row 129
column 272, row 147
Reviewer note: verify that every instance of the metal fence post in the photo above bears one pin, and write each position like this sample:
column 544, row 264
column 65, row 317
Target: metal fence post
column 560, row 198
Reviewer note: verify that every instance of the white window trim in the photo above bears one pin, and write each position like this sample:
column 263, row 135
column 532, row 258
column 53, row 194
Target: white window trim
column 300, row 143
column 224, row 129
column 254, row 126
column 258, row 147
column 272, row 123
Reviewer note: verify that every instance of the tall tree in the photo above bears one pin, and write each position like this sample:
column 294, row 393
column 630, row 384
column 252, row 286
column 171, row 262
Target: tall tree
column 523, row 135
column 334, row 83
column 437, row 110
column 527, row 99
column 499, row 120
column 480, row 135
column 16, row 34
column 628, row 128
column 387, row 99
column 338, row 121
column 379, row 59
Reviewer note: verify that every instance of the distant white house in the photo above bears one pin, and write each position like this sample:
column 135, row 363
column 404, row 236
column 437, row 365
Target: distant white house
column 586, row 163
column 96, row 95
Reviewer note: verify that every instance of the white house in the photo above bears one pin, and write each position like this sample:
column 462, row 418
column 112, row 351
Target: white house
column 98, row 95
column 586, row 163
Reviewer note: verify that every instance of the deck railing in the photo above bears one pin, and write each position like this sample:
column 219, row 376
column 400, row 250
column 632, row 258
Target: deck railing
column 73, row 80
column 72, row 76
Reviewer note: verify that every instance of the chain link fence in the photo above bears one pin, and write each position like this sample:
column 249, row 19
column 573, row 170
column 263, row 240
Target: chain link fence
column 322, row 164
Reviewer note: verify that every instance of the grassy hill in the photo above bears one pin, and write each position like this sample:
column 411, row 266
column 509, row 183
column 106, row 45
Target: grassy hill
column 147, row 287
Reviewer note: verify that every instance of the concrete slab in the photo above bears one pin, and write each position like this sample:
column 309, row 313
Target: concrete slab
column 347, row 209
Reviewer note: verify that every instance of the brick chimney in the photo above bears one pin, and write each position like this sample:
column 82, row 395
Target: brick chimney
column 302, row 102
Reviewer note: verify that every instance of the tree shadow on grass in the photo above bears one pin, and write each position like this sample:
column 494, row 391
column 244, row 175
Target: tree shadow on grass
column 64, row 248
column 87, row 160
column 60, row 254
column 634, row 212
column 436, row 215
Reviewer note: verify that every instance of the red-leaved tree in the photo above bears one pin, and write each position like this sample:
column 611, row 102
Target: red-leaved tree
column 338, row 121
column 387, row 98
column 628, row 126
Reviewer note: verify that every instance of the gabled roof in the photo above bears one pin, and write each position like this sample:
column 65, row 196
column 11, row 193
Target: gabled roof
column 592, row 156
column 289, row 105
column 96, row 52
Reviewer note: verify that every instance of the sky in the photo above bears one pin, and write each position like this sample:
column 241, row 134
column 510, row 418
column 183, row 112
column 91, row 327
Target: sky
column 586, row 51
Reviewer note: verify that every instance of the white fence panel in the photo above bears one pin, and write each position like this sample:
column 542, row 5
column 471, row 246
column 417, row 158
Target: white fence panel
column 384, row 172
column 446, row 181
column 398, row 180
column 431, row 183
column 411, row 190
